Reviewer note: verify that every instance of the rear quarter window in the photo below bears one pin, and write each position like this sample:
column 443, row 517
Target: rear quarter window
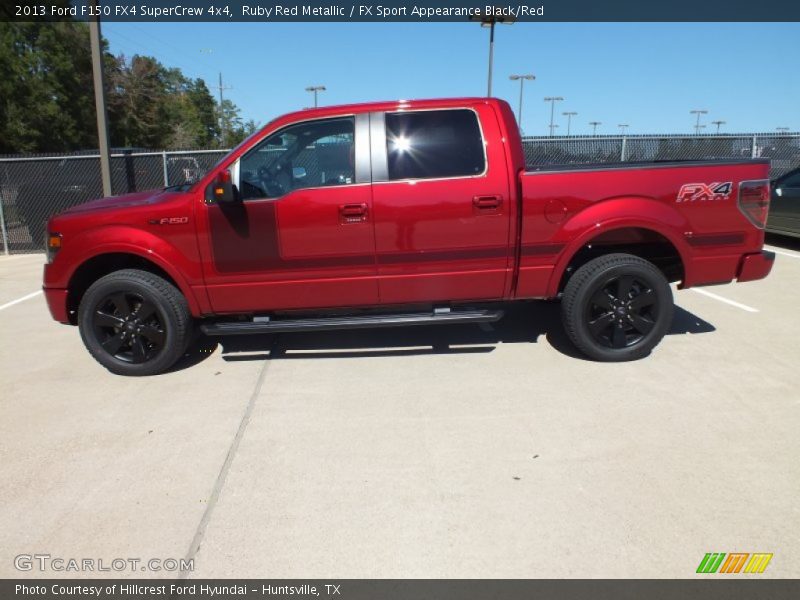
column 434, row 144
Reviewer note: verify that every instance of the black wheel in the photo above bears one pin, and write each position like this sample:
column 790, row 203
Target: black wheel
column 617, row 307
column 134, row 322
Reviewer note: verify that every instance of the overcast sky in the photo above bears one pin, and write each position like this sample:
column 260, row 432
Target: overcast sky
column 649, row 75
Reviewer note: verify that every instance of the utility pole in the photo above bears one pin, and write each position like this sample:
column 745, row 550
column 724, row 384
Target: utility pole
column 521, row 79
column 698, row 112
column 569, row 116
column 100, row 100
column 552, row 100
column 315, row 89
column 221, row 89
column 489, row 20
column 623, row 127
column 594, row 125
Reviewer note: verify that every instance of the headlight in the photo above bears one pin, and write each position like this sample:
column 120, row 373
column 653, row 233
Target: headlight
column 52, row 245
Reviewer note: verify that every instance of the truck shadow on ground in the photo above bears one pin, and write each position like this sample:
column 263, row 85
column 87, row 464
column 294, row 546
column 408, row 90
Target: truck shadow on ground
column 526, row 322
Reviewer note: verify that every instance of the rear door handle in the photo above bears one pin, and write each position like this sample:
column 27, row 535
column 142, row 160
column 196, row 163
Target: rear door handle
column 486, row 203
column 352, row 213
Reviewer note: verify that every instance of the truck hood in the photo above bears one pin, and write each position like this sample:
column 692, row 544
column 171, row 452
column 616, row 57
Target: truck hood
column 124, row 201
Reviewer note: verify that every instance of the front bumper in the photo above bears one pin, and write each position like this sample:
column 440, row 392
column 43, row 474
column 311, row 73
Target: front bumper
column 755, row 266
column 57, row 303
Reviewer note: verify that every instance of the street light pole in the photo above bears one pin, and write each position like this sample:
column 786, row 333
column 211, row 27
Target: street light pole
column 594, row 125
column 698, row 112
column 569, row 116
column 552, row 100
column 521, row 79
column 489, row 20
column 623, row 127
column 718, row 123
column 315, row 89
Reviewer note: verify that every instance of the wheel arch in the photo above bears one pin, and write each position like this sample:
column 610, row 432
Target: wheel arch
column 595, row 232
column 109, row 260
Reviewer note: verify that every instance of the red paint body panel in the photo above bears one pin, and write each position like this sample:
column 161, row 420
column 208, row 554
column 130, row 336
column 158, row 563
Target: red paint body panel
column 422, row 241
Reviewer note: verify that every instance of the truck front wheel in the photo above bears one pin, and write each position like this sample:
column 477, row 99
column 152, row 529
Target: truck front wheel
column 134, row 322
column 617, row 307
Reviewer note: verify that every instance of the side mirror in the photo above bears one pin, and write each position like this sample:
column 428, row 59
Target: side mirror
column 298, row 172
column 221, row 189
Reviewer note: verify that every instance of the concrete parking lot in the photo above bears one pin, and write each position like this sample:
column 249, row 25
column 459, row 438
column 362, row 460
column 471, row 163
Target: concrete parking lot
column 460, row 451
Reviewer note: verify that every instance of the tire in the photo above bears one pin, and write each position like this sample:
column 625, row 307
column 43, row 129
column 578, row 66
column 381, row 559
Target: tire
column 617, row 307
column 134, row 322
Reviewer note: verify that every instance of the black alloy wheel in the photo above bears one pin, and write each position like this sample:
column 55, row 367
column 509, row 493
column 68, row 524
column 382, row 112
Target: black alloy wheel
column 622, row 311
column 129, row 327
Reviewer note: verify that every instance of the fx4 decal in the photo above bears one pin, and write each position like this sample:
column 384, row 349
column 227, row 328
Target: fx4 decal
column 692, row 192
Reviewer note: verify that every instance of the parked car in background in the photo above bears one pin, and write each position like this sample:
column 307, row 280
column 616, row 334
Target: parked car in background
column 784, row 210
column 396, row 214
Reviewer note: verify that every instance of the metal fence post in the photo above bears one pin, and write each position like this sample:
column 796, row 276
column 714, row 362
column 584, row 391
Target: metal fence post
column 3, row 191
column 624, row 144
column 753, row 154
column 166, row 173
column 3, row 224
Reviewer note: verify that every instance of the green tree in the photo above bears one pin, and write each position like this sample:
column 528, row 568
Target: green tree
column 46, row 101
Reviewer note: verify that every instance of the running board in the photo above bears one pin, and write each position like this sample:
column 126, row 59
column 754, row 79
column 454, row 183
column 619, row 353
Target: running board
column 360, row 322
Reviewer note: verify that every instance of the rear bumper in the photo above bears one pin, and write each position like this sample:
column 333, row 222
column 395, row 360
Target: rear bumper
column 57, row 303
column 755, row 266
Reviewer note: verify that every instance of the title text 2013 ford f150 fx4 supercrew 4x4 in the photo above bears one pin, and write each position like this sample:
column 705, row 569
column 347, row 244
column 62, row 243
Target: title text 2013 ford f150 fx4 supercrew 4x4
column 400, row 213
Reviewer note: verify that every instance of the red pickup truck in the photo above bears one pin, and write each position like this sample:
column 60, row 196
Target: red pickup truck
column 400, row 213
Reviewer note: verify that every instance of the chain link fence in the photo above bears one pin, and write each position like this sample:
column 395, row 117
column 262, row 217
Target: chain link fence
column 33, row 188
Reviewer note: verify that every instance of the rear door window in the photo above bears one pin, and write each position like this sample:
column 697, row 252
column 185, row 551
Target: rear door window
column 434, row 144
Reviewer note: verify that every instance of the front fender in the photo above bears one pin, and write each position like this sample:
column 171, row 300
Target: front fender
column 121, row 239
column 618, row 213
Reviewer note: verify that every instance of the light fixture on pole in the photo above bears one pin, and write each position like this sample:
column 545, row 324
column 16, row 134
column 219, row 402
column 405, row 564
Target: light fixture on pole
column 782, row 129
column 489, row 20
column 522, row 79
column 552, row 100
column 623, row 127
column 569, row 116
column 315, row 89
column 698, row 112
column 718, row 123
column 594, row 125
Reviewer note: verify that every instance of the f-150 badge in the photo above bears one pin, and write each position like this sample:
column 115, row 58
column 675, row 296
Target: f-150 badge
column 694, row 192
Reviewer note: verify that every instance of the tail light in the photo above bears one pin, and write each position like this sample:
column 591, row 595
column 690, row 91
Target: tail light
column 754, row 201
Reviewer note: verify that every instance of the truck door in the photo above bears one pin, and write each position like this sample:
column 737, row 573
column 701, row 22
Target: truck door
column 302, row 235
column 441, row 205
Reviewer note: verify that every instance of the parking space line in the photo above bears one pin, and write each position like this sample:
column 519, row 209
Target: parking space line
column 725, row 300
column 18, row 300
column 782, row 252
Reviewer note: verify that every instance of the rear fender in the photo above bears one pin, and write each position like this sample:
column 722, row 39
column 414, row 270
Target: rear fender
column 619, row 213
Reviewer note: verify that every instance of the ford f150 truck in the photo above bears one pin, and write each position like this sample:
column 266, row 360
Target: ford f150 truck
column 396, row 214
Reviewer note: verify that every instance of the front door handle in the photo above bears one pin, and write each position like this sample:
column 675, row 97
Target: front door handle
column 487, row 203
column 352, row 213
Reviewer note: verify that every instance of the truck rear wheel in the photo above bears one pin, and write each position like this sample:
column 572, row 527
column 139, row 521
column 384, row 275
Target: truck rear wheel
column 134, row 322
column 617, row 307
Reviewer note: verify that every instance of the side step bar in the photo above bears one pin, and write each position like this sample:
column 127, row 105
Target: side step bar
column 359, row 322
